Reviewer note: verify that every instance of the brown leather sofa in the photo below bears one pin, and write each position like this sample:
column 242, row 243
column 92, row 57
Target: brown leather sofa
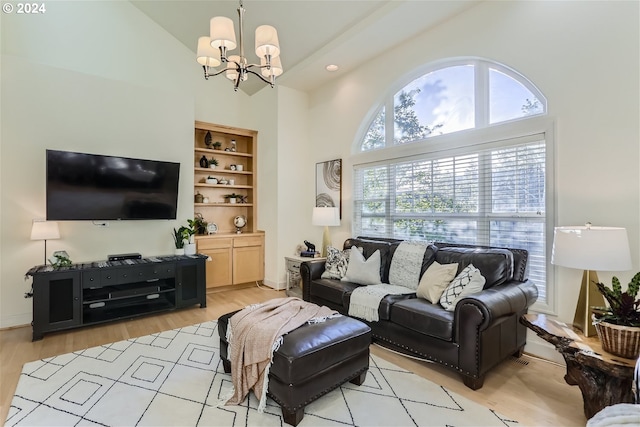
column 482, row 331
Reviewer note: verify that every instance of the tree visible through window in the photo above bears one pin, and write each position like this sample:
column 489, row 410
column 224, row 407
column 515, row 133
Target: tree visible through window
column 488, row 192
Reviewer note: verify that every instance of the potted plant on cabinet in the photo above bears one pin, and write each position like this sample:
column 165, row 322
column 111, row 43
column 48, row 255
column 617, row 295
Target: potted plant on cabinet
column 178, row 240
column 189, row 235
column 232, row 197
column 618, row 326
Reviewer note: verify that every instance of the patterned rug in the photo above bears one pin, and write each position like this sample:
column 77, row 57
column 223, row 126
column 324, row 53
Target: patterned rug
column 175, row 378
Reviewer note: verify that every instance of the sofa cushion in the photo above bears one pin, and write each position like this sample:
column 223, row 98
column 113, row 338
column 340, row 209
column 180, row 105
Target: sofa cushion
column 495, row 265
column 336, row 264
column 363, row 271
column 332, row 290
column 424, row 317
column 469, row 281
column 435, row 280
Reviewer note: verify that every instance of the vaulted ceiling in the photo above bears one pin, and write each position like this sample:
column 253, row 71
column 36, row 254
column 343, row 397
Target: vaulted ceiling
column 312, row 33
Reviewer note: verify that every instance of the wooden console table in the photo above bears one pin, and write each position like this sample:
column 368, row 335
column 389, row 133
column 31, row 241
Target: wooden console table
column 603, row 379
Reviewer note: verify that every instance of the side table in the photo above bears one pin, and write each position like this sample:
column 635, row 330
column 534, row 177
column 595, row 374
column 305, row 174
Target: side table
column 603, row 379
column 294, row 281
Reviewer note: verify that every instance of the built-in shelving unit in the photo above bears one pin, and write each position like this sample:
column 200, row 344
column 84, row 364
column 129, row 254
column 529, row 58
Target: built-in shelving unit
column 237, row 258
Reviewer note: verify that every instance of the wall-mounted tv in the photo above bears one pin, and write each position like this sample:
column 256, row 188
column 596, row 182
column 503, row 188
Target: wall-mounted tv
column 96, row 187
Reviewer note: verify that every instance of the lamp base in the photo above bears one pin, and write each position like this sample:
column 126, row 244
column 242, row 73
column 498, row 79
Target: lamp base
column 326, row 241
column 589, row 297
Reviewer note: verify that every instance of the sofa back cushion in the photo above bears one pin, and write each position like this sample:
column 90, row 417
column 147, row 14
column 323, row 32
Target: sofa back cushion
column 495, row 265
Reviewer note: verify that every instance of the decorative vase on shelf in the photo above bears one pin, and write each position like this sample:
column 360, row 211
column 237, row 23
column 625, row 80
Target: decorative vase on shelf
column 204, row 163
column 207, row 139
column 199, row 198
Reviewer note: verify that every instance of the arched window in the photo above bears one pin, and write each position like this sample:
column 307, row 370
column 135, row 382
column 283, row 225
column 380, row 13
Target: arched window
column 464, row 158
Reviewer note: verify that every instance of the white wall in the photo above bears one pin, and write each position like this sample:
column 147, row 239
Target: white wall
column 97, row 77
column 584, row 56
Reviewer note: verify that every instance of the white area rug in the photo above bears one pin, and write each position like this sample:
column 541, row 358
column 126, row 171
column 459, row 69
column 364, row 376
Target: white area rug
column 176, row 378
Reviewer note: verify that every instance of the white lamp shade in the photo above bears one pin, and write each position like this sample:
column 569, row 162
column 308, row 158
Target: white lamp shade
column 207, row 54
column 222, row 32
column 326, row 216
column 45, row 230
column 276, row 67
column 267, row 41
column 232, row 68
column 591, row 248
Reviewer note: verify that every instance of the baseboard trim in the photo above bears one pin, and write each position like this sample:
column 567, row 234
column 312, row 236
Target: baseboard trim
column 15, row 321
column 274, row 285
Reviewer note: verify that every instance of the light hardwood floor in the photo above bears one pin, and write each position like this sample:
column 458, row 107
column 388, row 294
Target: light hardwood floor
column 529, row 390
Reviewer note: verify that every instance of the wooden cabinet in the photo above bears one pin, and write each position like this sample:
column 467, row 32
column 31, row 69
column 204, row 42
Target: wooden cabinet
column 235, row 258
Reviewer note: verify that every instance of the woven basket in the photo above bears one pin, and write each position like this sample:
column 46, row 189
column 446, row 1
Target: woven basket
column 623, row 341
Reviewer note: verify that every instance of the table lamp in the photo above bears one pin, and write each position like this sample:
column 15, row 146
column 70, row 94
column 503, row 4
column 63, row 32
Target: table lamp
column 44, row 230
column 590, row 248
column 327, row 217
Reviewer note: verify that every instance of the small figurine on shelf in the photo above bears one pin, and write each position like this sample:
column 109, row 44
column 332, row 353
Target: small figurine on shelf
column 233, row 145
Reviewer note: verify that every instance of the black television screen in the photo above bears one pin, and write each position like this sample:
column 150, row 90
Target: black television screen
column 95, row 187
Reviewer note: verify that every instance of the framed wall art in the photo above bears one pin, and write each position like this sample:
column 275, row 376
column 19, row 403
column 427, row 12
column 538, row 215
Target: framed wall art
column 329, row 184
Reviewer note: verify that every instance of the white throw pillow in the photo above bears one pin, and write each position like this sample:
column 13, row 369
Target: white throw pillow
column 435, row 280
column 361, row 271
column 336, row 265
column 469, row 281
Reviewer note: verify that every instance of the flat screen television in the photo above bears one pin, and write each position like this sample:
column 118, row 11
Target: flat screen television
column 96, row 187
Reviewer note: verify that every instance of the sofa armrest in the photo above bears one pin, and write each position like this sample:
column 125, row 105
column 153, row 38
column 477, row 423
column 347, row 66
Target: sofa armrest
column 310, row 270
column 496, row 302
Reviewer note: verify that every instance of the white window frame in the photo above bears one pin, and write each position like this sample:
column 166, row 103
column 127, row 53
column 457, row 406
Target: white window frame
column 484, row 136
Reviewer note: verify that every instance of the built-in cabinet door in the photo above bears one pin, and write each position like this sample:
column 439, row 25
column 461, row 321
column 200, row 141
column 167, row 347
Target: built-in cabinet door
column 219, row 268
column 248, row 259
column 56, row 302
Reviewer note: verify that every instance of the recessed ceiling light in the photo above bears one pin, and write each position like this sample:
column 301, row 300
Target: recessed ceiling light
column 331, row 67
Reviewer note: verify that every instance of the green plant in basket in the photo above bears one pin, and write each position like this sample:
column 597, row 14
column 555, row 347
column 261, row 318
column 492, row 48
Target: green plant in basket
column 624, row 308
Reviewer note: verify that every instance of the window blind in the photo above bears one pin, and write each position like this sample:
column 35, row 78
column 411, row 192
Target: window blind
column 491, row 194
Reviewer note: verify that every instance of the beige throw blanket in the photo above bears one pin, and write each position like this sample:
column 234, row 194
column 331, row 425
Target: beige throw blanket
column 254, row 333
column 365, row 300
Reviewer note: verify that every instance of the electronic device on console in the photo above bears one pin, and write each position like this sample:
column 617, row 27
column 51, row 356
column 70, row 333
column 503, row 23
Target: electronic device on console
column 120, row 257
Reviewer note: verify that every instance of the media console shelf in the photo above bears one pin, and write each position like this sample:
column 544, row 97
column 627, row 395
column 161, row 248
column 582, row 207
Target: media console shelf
column 102, row 291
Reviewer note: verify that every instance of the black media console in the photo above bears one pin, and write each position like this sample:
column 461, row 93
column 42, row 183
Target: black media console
column 96, row 292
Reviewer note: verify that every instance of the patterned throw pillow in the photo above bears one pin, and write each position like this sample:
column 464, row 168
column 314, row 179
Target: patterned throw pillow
column 336, row 265
column 469, row 281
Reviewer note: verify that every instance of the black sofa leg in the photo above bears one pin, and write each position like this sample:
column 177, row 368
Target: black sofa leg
column 359, row 379
column 226, row 365
column 293, row 418
column 473, row 383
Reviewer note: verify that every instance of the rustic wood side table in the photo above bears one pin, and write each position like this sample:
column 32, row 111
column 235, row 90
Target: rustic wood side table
column 603, row 379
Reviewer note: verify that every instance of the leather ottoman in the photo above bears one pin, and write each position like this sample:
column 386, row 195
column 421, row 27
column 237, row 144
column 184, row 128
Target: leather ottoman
column 312, row 360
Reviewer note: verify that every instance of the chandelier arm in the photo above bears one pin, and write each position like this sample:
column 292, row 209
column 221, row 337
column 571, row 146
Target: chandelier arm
column 207, row 74
column 261, row 78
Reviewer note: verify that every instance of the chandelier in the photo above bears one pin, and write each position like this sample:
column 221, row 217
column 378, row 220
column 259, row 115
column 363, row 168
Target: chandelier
column 212, row 51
